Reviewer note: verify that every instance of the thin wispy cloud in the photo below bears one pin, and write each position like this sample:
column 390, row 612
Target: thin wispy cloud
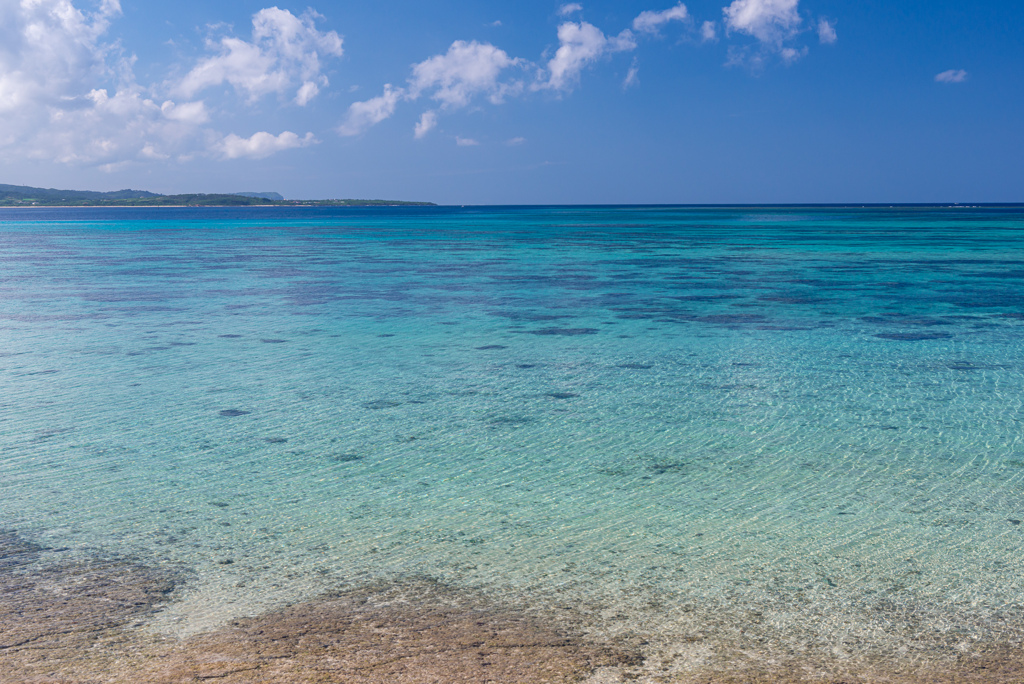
column 650, row 21
column 826, row 32
column 427, row 123
column 708, row 31
column 466, row 142
column 631, row 76
column 951, row 76
column 363, row 115
column 569, row 8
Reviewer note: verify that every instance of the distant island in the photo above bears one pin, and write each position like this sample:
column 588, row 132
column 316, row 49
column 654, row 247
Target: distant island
column 25, row 196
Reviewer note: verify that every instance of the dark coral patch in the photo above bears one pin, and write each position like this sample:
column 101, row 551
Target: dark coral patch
column 913, row 337
column 378, row 404
column 564, row 332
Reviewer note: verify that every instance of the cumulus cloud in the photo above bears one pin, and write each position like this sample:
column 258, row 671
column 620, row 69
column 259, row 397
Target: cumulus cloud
column 826, row 32
column 770, row 21
column 283, row 56
column 193, row 113
column 580, row 44
column 951, row 76
column 363, row 115
column 49, row 49
column 569, row 8
column 650, row 21
column 68, row 93
column 466, row 70
column 708, row 31
column 261, row 145
column 426, row 124
column 68, row 96
column 454, row 79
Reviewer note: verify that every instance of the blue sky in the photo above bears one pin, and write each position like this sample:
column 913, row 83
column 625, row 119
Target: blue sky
column 519, row 102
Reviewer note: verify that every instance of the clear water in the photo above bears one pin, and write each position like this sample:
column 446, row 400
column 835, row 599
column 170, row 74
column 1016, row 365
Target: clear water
column 802, row 424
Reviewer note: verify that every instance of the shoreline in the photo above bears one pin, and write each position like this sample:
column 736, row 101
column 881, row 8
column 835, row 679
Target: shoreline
column 86, row 621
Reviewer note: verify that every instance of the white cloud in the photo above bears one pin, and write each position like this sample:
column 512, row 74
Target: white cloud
column 465, row 142
column 49, row 49
column 455, row 78
column 467, row 69
column 513, row 142
column 826, row 32
column 363, row 115
column 284, row 54
column 261, row 145
column 569, row 8
column 190, row 112
column 650, row 22
column 68, row 96
column 708, row 31
column 951, row 76
column 307, row 91
column 580, row 45
column 770, row 21
column 790, row 55
column 426, row 123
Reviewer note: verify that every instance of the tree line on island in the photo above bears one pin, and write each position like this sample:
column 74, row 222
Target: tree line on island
column 25, row 196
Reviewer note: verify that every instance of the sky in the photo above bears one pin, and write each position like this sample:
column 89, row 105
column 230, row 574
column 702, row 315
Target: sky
column 519, row 101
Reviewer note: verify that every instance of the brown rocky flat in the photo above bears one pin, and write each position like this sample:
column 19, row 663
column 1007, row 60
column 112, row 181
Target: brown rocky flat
column 83, row 623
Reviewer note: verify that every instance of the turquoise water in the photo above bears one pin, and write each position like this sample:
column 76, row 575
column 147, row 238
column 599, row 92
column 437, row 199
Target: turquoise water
column 796, row 426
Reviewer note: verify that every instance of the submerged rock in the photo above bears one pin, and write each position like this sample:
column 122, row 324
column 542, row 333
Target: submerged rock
column 233, row 413
column 378, row 404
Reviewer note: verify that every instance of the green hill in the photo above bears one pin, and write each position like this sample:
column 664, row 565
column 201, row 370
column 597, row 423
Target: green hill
column 25, row 196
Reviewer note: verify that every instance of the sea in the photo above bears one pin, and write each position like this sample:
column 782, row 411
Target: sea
column 777, row 429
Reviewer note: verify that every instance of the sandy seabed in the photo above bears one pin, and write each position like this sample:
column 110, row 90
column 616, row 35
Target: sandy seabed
column 85, row 622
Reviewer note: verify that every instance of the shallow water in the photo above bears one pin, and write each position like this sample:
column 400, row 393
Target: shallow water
column 790, row 429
